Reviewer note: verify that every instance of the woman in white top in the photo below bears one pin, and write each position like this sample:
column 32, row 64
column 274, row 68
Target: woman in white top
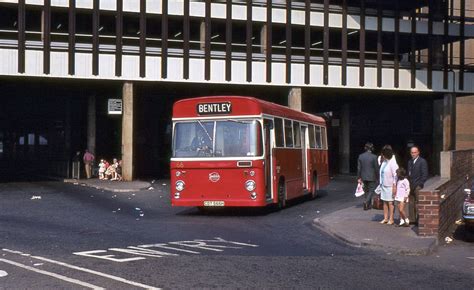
column 388, row 184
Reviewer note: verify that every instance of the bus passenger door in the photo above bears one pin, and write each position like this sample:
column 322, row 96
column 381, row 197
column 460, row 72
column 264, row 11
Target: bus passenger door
column 304, row 152
column 268, row 131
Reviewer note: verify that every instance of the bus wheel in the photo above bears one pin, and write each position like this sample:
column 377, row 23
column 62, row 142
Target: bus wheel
column 281, row 195
column 314, row 187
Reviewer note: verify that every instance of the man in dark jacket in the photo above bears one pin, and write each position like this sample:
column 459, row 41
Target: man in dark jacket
column 367, row 173
column 418, row 174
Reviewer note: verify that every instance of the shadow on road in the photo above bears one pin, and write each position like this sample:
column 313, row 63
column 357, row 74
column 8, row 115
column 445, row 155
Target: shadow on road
column 243, row 211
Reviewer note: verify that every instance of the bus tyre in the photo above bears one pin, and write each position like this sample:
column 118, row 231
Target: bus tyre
column 314, row 187
column 281, row 195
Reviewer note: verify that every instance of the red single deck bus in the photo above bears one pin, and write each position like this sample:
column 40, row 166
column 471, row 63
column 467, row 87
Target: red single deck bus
column 245, row 152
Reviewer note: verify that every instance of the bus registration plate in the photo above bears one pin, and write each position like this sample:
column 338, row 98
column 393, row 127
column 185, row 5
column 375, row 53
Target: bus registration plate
column 213, row 203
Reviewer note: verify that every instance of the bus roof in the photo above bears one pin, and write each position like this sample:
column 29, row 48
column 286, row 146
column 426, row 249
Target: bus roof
column 214, row 106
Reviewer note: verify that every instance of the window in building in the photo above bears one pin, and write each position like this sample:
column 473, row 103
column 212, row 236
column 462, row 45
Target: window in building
column 8, row 22
column 43, row 140
column 279, row 136
column 33, row 24
column 21, row 140
column 84, row 23
column 31, row 139
column 288, row 134
column 297, row 134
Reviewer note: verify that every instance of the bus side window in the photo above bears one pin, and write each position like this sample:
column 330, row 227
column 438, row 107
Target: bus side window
column 325, row 143
column 288, row 134
column 297, row 134
column 279, row 137
column 319, row 142
column 312, row 143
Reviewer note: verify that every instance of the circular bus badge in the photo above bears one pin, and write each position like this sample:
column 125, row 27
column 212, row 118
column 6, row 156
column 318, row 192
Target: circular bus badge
column 214, row 177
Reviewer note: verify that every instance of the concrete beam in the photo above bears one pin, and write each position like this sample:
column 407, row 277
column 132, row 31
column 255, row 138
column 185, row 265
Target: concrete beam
column 128, row 97
column 344, row 140
column 91, row 124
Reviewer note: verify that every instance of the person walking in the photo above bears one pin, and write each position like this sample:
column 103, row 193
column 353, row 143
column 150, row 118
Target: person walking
column 417, row 174
column 367, row 173
column 88, row 160
column 388, row 184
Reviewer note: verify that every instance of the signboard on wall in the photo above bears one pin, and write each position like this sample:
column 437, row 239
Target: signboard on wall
column 114, row 106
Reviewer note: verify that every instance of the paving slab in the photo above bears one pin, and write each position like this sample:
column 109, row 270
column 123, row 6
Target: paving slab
column 361, row 228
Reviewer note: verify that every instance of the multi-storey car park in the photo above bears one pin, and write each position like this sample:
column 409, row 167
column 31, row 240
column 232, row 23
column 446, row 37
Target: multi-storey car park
column 388, row 71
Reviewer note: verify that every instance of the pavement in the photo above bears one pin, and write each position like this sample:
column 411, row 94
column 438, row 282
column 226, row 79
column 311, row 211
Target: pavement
column 352, row 225
column 113, row 186
column 360, row 228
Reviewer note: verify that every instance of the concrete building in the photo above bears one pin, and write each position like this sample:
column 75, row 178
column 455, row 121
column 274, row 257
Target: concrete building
column 385, row 71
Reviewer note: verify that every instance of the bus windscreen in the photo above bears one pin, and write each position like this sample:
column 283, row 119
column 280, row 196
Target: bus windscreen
column 221, row 138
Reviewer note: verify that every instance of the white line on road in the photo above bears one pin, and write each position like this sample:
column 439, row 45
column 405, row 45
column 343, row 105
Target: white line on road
column 112, row 277
column 3, row 274
column 57, row 276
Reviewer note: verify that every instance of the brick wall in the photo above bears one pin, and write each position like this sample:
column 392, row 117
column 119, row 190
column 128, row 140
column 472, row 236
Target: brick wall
column 439, row 205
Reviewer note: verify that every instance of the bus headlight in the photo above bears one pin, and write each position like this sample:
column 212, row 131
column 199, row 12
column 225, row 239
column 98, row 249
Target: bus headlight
column 250, row 185
column 179, row 185
column 178, row 173
column 253, row 195
column 177, row 195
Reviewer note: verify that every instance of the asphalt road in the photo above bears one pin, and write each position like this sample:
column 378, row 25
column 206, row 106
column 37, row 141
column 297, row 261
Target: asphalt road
column 55, row 235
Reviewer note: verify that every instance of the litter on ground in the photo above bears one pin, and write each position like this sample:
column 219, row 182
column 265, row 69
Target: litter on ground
column 36, row 197
column 448, row 240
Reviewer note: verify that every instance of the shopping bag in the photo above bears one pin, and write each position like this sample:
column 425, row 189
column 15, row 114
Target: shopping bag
column 377, row 203
column 359, row 190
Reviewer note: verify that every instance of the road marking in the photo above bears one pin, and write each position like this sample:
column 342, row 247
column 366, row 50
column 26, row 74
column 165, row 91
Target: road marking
column 112, row 277
column 92, row 254
column 143, row 251
column 3, row 273
column 57, row 276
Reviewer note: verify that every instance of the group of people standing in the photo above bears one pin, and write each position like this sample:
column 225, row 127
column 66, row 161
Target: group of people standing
column 396, row 186
column 105, row 169
column 110, row 171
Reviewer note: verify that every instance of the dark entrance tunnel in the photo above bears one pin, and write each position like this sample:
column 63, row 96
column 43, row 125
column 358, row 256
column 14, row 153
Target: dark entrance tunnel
column 42, row 123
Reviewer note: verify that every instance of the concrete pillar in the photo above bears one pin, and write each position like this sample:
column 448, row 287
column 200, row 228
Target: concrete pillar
column 344, row 140
column 128, row 97
column 202, row 35
column 263, row 39
column 91, row 128
column 294, row 99
column 449, row 122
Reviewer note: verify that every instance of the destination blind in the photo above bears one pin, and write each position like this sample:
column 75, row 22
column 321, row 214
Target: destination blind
column 214, row 108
